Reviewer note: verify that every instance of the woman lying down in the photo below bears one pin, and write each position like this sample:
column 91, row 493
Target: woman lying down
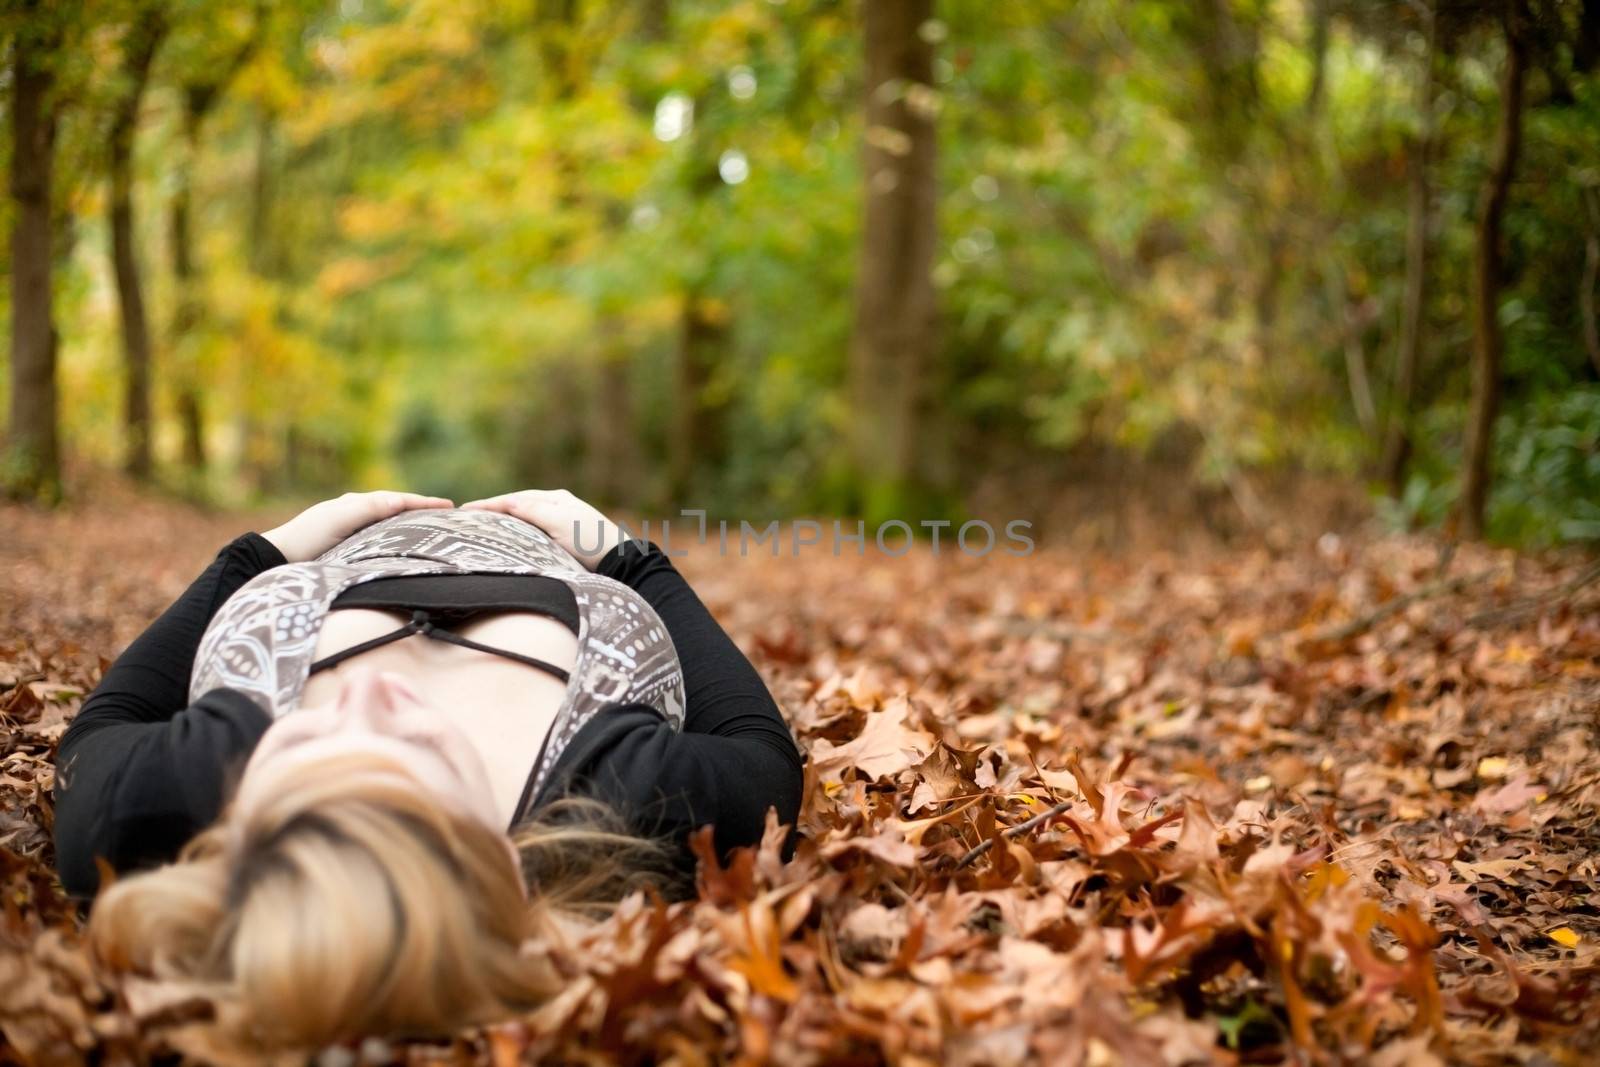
column 370, row 752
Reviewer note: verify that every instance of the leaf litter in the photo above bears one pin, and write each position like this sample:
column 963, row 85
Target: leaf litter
column 1330, row 803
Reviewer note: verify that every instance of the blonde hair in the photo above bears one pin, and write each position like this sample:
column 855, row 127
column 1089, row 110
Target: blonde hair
column 349, row 903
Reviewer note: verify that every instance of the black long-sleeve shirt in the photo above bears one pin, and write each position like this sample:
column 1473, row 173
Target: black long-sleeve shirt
column 141, row 769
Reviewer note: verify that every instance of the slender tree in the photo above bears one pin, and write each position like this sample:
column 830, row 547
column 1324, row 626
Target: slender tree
column 1591, row 273
column 895, row 322
column 261, row 460
column 1397, row 438
column 695, row 431
column 35, row 462
column 1321, row 25
column 1487, row 341
column 200, row 93
column 139, row 52
column 604, row 430
column 697, row 418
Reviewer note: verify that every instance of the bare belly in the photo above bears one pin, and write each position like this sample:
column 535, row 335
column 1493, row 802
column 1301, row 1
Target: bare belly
column 504, row 707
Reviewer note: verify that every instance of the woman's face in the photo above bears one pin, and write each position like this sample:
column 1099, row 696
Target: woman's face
column 380, row 713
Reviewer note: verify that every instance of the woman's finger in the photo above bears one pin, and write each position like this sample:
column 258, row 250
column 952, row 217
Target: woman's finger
column 496, row 498
column 390, row 501
column 517, row 495
column 525, row 499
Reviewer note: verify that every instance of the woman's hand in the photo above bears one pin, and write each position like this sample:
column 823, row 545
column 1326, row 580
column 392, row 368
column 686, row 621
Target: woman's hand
column 576, row 526
column 321, row 526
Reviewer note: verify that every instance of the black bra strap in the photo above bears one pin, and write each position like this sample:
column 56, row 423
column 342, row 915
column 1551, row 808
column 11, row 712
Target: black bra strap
column 343, row 654
column 421, row 624
column 456, row 639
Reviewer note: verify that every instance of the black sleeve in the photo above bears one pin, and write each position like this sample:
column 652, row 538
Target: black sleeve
column 140, row 769
column 735, row 756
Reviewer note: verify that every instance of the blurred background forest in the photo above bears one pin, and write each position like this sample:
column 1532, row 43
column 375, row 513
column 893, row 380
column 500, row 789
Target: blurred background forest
column 810, row 255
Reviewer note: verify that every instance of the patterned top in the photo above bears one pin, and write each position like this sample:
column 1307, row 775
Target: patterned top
column 263, row 639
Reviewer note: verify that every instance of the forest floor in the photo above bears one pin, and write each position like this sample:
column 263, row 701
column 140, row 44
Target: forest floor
column 1333, row 801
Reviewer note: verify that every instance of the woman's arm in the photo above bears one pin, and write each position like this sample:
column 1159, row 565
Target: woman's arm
column 735, row 756
column 149, row 682
column 139, row 769
column 132, row 793
column 724, row 695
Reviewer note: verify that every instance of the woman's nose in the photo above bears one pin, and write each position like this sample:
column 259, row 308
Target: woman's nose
column 371, row 698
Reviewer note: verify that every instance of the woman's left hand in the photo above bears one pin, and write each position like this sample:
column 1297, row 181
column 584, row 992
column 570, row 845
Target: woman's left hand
column 568, row 520
column 321, row 526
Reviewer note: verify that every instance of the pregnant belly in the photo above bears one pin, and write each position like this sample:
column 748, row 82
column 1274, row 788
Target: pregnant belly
column 504, row 707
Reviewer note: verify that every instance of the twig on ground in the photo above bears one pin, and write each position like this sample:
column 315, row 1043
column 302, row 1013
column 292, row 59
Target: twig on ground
column 1016, row 831
column 1443, row 587
column 6, row 687
column 1519, row 609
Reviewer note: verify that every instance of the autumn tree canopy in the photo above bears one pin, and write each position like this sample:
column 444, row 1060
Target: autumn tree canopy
column 810, row 254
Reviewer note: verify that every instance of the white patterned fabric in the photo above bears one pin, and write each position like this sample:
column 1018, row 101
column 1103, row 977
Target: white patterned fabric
column 263, row 639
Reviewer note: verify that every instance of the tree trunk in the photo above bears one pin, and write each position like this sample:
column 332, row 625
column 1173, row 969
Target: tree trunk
column 262, row 422
column 192, row 421
column 609, row 455
column 1321, row 19
column 694, row 435
column 143, row 39
column 655, row 19
column 186, row 306
column 894, row 333
column 557, row 54
column 1591, row 272
column 1586, row 49
column 1487, row 265
column 35, row 445
column 1226, row 40
column 200, row 95
column 1357, row 319
column 262, row 250
column 606, row 430
column 1397, row 441
column 551, row 442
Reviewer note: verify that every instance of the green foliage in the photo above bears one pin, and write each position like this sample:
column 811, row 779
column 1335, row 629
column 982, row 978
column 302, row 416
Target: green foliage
column 1423, row 502
column 1548, row 468
column 22, row 477
column 425, row 229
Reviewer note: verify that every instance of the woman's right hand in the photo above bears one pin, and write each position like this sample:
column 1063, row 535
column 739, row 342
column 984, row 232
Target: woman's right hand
column 575, row 525
column 321, row 526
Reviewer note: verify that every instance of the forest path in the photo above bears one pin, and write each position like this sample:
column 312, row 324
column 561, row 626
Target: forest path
column 1283, row 814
